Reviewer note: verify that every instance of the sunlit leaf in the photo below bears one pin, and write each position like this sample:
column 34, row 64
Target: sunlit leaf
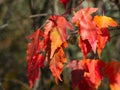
column 56, row 40
column 104, row 21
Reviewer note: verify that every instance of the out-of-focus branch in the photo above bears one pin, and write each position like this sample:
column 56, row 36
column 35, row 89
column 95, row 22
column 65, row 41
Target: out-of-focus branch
column 17, row 81
column 38, row 15
column 115, row 28
column 33, row 9
column 3, row 26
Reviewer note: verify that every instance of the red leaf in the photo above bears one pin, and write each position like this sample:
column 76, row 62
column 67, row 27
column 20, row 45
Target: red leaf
column 112, row 71
column 87, row 27
column 57, row 64
column 64, row 2
column 77, row 76
column 34, row 58
column 94, row 74
column 34, row 68
column 85, row 46
column 86, row 74
column 103, row 38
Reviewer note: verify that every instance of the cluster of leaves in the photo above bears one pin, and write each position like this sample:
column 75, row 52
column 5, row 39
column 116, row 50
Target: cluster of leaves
column 48, row 46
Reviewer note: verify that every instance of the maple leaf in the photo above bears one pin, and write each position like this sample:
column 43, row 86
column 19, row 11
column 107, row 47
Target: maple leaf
column 86, row 74
column 103, row 34
column 56, row 26
column 112, row 71
column 104, row 21
column 34, row 58
column 103, row 38
column 64, row 2
column 87, row 27
column 57, row 63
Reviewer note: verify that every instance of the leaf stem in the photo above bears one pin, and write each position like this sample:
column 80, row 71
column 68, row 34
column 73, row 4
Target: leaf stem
column 103, row 7
column 71, row 9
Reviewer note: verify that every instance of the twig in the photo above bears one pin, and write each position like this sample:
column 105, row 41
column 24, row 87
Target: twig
column 3, row 26
column 38, row 15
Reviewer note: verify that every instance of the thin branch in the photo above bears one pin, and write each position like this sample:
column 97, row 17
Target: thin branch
column 116, row 28
column 17, row 81
column 38, row 15
column 3, row 26
column 118, row 34
column 71, row 9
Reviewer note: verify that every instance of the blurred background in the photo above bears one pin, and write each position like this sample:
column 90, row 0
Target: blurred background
column 19, row 18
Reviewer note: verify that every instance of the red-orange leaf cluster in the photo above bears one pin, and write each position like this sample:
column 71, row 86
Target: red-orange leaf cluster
column 87, row 74
column 94, row 33
column 52, row 41
column 48, row 44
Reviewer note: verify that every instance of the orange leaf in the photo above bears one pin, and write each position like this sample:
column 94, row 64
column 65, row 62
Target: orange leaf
column 104, row 21
column 57, row 64
column 56, row 40
column 103, row 34
column 112, row 71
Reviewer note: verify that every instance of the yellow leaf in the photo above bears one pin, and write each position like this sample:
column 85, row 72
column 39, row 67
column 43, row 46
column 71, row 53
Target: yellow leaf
column 104, row 21
column 56, row 40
